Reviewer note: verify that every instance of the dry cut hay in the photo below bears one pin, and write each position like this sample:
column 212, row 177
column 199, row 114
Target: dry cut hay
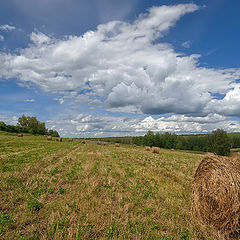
column 20, row 135
column 147, row 149
column 117, row 145
column 155, row 150
column 59, row 139
column 49, row 138
column 235, row 156
column 216, row 193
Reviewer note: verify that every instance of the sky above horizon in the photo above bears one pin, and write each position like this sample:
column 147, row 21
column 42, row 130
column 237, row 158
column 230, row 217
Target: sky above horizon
column 117, row 68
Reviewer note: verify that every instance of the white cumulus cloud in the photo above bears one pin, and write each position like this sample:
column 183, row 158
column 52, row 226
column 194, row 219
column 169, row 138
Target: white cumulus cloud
column 83, row 125
column 187, row 44
column 7, row 27
column 29, row 100
column 127, row 66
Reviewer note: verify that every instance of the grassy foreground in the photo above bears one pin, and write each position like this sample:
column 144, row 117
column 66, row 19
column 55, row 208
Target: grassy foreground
column 68, row 190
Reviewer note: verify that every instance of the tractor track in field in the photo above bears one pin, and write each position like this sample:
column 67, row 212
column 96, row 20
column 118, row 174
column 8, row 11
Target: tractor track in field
column 20, row 152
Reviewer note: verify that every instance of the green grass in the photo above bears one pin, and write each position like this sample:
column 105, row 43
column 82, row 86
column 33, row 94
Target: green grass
column 69, row 190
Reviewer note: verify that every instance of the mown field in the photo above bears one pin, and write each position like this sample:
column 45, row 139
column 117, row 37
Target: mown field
column 68, row 190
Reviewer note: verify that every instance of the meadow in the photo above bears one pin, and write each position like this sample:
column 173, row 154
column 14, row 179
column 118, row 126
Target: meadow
column 70, row 190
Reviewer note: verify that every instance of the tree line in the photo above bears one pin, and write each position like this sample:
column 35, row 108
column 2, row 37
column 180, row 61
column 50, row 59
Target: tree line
column 27, row 124
column 218, row 141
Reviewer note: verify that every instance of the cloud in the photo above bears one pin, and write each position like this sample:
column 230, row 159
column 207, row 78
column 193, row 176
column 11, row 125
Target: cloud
column 184, row 124
column 127, row 66
column 87, row 125
column 187, row 44
column 13, row 120
column 1, row 38
column 229, row 105
column 7, row 28
column 90, row 125
column 40, row 39
column 29, row 100
column 60, row 100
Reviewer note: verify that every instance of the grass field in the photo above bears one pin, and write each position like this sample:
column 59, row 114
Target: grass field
column 68, row 190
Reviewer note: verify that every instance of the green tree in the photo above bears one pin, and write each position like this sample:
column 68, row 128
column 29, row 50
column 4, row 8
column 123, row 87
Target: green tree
column 149, row 139
column 53, row 133
column 170, row 140
column 32, row 124
column 3, row 126
column 219, row 142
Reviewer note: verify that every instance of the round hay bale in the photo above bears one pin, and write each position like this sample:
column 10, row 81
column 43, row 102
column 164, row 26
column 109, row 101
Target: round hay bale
column 83, row 141
column 49, row 138
column 59, row 139
column 147, row 149
column 99, row 143
column 105, row 143
column 216, row 193
column 20, row 135
column 70, row 140
column 117, row 145
column 155, row 150
column 134, row 145
column 235, row 156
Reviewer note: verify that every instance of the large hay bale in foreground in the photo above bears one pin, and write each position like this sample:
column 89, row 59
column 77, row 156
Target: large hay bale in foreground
column 216, row 193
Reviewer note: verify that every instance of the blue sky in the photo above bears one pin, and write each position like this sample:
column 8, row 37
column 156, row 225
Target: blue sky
column 115, row 68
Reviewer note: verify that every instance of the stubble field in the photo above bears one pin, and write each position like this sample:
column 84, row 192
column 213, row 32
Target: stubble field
column 70, row 190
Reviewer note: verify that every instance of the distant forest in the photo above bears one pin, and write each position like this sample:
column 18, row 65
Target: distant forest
column 218, row 141
column 28, row 125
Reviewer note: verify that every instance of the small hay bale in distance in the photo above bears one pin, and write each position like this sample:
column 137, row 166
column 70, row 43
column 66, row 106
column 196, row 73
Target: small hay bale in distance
column 156, row 150
column 117, row 145
column 99, row 143
column 216, row 193
column 134, row 145
column 147, row 149
column 20, row 135
column 49, row 138
column 59, row 139
column 105, row 143
column 83, row 141
column 70, row 140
